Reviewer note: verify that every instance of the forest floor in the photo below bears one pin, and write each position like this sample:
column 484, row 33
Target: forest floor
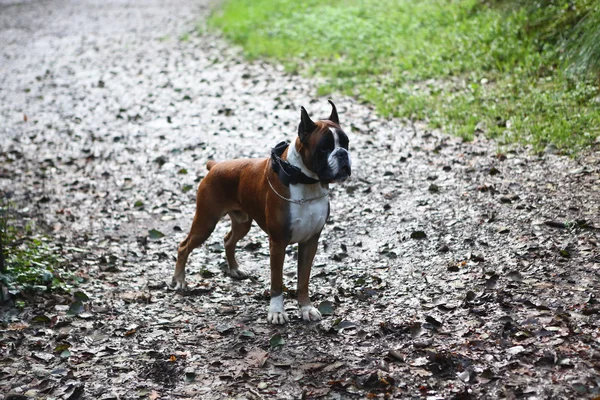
column 450, row 269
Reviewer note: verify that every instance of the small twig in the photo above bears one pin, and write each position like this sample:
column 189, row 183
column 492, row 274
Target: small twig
column 412, row 125
column 255, row 393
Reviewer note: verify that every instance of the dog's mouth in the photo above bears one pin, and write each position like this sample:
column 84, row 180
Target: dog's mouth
column 341, row 177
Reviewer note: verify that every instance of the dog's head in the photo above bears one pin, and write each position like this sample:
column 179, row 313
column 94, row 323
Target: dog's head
column 324, row 147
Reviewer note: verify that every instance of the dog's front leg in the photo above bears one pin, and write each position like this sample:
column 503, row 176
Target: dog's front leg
column 306, row 255
column 277, row 313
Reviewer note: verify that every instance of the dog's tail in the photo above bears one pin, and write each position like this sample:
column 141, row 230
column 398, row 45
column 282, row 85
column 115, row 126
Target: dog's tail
column 210, row 164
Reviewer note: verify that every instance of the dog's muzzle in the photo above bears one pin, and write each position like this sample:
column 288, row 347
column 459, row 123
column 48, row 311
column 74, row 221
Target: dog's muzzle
column 343, row 165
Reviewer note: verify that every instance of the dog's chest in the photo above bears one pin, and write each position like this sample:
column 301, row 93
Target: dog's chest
column 307, row 219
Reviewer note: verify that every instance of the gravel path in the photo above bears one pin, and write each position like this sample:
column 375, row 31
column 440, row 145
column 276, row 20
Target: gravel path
column 448, row 265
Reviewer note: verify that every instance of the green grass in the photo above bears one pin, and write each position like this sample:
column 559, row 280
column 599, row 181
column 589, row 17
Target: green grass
column 458, row 65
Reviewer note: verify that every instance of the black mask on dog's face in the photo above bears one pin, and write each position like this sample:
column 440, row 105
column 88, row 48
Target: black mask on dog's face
column 326, row 147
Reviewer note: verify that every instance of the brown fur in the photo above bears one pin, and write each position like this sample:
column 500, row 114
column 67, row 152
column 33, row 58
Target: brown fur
column 239, row 188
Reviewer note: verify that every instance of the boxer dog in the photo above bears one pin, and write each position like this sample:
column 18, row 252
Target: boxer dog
column 288, row 197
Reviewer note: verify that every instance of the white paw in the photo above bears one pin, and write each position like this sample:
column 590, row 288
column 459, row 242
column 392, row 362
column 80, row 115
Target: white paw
column 179, row 283
column 309, row 313
column 277, row 318
column 237, row 274
column 277, row 314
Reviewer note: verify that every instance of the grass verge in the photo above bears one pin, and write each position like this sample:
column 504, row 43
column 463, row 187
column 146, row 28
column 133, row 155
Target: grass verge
column 467, row 66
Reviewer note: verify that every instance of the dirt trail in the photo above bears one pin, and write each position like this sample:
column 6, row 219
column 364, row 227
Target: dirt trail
column 444, row 277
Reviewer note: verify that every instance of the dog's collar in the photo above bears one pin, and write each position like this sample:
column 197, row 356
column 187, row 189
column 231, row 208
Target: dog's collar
column 288, row 174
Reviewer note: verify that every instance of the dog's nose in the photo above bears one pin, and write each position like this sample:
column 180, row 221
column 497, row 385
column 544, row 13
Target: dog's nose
column 347, row 170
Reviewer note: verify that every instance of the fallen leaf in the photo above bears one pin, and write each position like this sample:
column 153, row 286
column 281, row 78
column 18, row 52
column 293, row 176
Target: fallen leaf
column 326, row 307
column 277, row 340
column 76, row 308
column 79, row 295
column 515, row 350
column 42, row 319
column 155, row 234
column 154, row 395
column 257, row 358
column 418, row 235
column 247, row 334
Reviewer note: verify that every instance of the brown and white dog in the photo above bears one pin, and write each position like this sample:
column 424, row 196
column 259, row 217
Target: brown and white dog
column 288, row 197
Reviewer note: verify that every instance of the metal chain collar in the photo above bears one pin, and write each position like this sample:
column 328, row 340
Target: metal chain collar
column 301, row 201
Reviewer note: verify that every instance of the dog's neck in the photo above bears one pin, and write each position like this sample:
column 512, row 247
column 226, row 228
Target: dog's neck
column 294, row 158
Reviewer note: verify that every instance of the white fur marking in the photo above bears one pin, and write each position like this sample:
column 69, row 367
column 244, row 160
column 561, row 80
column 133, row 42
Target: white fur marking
column 276, row 305
column 332, row 160
column 336, row 138
column 306, row 220
column 309, row 313
column 276, row 314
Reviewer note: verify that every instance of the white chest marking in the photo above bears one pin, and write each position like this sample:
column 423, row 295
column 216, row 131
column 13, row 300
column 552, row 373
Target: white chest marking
column 306, row 219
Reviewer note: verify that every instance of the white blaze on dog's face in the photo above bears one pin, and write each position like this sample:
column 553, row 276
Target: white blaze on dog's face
column 325, row 147
column 338, row 162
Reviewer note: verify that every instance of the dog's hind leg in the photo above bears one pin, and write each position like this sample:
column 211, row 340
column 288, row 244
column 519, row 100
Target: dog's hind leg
column 203, row 225
column 240, row 225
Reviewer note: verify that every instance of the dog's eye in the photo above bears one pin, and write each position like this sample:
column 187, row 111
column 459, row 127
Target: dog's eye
column 344, row 142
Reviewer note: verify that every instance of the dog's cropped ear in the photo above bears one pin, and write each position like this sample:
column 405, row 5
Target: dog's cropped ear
column 306, row 127
column 334, row 115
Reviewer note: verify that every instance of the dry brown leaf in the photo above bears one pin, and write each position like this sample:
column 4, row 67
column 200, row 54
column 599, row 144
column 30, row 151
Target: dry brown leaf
column 154, row 395
column 257, row 358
